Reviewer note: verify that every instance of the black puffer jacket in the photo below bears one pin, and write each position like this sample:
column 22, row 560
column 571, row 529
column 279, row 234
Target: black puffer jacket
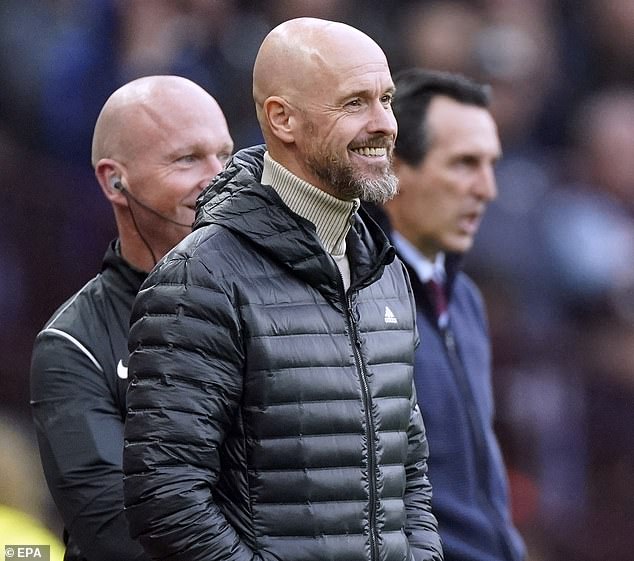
column 271, row 415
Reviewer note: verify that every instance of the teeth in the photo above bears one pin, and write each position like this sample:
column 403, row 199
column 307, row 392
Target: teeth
column 368, row 151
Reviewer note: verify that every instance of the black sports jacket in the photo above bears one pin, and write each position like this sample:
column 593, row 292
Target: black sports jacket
column 78, row 385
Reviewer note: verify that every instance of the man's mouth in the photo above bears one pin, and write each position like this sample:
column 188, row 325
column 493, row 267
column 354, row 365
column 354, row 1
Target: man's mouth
column 370, row 151
column 471, row 222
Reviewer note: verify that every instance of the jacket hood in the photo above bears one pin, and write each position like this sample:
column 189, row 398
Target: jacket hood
column 236, row 200
column 244, row 167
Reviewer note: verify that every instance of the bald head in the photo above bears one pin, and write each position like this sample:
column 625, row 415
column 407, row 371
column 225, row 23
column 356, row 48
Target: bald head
column 157, row 143
column 308, row 55
column 142, row 104
column 323, row 95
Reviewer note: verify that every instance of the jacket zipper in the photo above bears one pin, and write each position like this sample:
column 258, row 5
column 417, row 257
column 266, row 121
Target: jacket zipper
column 367, row 404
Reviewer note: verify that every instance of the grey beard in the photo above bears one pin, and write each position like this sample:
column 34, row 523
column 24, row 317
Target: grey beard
column 378, row 190
column 348, row 185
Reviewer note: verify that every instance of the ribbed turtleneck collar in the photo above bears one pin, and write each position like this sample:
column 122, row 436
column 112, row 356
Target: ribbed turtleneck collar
column 330, row 215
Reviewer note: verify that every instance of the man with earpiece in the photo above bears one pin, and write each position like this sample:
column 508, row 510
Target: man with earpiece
column 157, row 143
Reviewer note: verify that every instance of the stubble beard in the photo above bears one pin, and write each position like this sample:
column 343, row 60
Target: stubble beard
column 349, row 183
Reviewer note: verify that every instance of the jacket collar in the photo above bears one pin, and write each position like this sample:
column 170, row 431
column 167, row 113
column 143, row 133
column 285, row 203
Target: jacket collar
column 236, row 200
column 331, row 216
column 131, row 277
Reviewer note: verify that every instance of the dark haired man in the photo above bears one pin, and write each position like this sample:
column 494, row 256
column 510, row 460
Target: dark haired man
column 444, row 158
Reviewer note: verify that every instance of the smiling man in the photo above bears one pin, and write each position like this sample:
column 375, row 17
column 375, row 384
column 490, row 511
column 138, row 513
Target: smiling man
column 157, row 143
column 272, row 412
column 447, row 148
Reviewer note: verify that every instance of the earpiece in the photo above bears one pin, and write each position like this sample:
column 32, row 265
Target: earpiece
column 117, row 185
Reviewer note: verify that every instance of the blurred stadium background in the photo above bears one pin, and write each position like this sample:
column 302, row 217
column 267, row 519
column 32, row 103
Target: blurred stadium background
column 554, row 257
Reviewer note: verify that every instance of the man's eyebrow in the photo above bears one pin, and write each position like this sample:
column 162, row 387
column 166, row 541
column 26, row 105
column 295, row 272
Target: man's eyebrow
column 184, row 149
column 367, row 92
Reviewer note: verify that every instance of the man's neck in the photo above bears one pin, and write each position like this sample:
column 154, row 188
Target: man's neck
column 425, row 267
column 330, row 215
column 135, row 253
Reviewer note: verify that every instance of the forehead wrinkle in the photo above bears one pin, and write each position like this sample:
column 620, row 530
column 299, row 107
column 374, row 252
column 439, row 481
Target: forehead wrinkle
column 156, row 121
column 364, row 84
column 129, row 115
column 368, row 82
column 155, row 115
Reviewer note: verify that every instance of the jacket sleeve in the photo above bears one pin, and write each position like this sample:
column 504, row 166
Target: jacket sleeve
column 186, row 365
column 80, row 436
column 422, row 527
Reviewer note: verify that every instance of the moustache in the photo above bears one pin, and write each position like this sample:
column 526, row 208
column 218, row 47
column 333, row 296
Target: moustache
column 381, row 141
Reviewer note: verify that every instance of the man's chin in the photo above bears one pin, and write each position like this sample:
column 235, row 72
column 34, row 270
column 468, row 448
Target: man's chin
column 460, row 246
column 380, row 189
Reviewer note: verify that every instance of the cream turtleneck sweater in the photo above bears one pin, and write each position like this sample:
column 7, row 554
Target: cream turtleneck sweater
column 330, row 215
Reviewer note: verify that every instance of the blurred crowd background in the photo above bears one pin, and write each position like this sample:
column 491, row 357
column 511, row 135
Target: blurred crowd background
column 554, row 257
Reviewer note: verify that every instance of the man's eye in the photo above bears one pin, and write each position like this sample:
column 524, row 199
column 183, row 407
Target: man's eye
column 224, row 157
column 354, row 103
column 467, row 161
column 386, row 99
column 188, row 159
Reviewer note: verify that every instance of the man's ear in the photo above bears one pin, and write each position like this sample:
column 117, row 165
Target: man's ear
column 108, row 173
column 280, row 117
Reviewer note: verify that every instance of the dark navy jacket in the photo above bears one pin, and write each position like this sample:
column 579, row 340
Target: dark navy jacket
column 453, row 381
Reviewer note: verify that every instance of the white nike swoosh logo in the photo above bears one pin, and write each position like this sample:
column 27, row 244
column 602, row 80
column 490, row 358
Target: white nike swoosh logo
column 122, row 371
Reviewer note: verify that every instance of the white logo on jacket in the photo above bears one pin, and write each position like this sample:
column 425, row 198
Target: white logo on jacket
column 122, row 370
column 389, row 316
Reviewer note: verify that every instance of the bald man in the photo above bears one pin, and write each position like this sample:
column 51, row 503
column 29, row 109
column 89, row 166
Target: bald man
column 157, row 143
column 273, row 414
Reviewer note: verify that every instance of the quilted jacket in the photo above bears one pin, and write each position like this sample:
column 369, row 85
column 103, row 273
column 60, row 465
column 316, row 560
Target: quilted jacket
column 272, row 415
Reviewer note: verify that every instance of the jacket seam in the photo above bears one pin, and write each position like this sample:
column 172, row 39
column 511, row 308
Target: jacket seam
column 75, row 342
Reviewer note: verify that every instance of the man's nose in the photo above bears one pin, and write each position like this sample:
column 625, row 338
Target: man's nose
column 214, row 166
column 383, row 120
column 486, row 184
